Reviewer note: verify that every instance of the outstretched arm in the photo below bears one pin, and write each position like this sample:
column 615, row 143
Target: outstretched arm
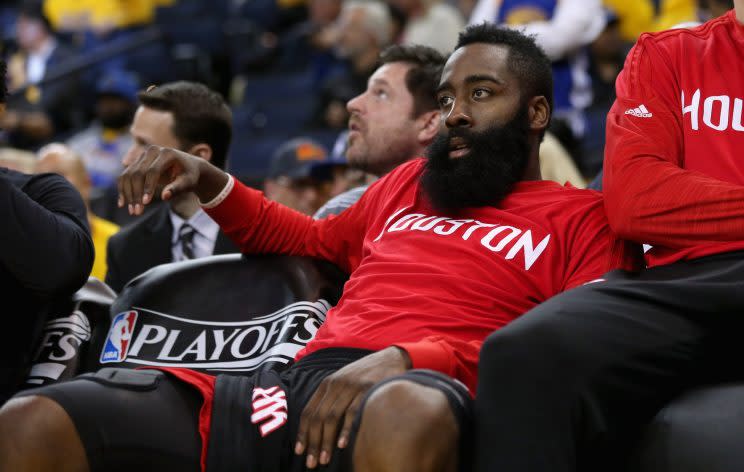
column 254, row 223
column 576, row 23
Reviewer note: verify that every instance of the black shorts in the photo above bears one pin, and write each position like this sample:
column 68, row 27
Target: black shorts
column 143, row 419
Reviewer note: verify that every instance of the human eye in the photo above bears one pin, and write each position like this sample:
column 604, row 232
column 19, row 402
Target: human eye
column 481, row 93
column 444, row 101
column 380, row 93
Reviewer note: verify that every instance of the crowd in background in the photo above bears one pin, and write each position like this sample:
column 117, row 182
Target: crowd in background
column 285, row 95
column 287, row 69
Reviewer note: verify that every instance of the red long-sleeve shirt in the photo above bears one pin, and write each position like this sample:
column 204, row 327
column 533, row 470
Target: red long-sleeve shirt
column 432, row 285
column 674, row 168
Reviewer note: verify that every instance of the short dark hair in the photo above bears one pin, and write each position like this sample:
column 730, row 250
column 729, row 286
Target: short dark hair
column 526, row 59
column 34, row 9
column 200, row 115
column 422, row 79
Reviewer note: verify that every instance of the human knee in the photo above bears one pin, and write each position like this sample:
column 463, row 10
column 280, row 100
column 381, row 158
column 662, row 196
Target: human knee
column 528, row 347
column 37, row 434
column 406, row 426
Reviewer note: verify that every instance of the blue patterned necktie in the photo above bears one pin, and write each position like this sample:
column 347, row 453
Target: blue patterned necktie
column 186, row 237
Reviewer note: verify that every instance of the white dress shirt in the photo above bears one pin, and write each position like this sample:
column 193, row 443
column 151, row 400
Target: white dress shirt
column 205, row 235
column 36, row 62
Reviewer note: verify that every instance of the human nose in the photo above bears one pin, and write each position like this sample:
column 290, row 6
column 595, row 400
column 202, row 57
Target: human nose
column 458, row 115
column 355, row 104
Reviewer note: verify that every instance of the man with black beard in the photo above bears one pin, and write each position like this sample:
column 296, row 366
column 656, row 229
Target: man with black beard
column 431, row 276
column 477, row 179
column 107, row 139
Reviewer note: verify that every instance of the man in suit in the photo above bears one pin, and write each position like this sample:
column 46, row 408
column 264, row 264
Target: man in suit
column 38, row 111
column 192, row 118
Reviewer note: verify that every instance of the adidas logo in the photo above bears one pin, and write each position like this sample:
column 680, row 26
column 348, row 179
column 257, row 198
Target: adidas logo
column 640, row 112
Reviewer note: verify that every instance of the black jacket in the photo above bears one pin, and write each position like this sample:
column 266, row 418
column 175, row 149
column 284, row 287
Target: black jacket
column 45, row 253
column 145, row 244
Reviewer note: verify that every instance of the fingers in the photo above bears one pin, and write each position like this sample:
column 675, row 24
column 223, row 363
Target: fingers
column 305, row 418
column 320, row 421
column 138, row 173
column 132, row 182
column 180, row 184
column 351, row 412
column 154, row 167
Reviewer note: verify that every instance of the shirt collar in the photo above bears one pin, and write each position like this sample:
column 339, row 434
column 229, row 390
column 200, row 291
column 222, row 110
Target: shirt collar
column 200, row 221
column 46, row 50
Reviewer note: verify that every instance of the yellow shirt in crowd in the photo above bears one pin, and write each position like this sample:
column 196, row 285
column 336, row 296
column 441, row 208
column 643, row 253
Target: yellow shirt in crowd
column 101, row 230
column 639, row 16
column 100, row 14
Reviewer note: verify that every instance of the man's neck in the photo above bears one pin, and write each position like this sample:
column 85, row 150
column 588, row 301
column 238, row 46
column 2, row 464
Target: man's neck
column 185, row 205
column 739, row 7
column 532, row 171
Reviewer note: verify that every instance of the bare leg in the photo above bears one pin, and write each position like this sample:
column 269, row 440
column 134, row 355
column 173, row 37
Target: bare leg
column 406, row 427
column 37, row 435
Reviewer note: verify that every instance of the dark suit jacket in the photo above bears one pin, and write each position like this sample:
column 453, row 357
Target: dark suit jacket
column 60, row 100
column 46, row 253
column 145, row 244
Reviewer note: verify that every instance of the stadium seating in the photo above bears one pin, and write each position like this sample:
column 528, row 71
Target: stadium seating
column 228, row 313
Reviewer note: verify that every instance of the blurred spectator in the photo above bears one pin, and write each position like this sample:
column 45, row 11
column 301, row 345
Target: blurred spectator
column 642, row 16
column 563, row 29
column 46, row 252
column 59, row 159
column 293, row 179
column 607, row 55
column 430, row 22
column 556, row 163
column 394, row 120
column 309, row 43
column 190, row 117
column 38, row 111
column 344, row 176
column 103, row 144
column 18, row 160
column 709, row 9
column 100, row 16
column 363, row 31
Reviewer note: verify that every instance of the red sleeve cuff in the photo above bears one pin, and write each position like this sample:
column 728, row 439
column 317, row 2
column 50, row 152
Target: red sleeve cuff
column 428, row 355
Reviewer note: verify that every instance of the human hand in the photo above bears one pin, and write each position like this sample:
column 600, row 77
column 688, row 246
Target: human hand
column 174, row 171
column 337, row 400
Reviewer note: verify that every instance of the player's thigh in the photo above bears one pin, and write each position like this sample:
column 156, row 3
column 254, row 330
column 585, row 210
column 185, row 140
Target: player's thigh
column 421, row 420
column 132, row 419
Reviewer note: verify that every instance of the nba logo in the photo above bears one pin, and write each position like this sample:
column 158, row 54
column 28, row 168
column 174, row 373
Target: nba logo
column 119, row 336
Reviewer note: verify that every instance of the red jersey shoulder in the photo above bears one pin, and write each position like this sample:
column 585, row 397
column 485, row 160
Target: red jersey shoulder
column 671, row 38
column 411, row 168
column 554, row 204
column 552, row 192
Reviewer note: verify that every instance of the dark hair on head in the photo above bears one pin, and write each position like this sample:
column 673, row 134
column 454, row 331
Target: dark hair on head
column 526, row 60
column 422, row 79
column 199, row 115
column 35, row 9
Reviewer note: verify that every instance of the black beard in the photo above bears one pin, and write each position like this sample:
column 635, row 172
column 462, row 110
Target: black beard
column 117, row 120
column 496, row 161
